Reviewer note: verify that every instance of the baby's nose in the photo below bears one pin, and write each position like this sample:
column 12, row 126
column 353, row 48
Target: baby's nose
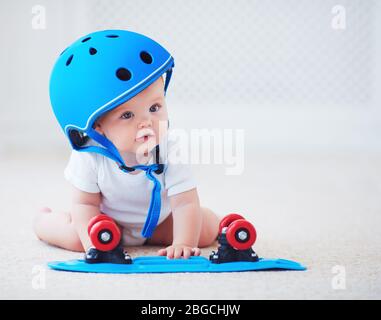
column 145, row 123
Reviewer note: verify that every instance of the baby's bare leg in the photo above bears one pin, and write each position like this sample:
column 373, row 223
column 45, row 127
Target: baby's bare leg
column 56, row 228
column 163, row 234
column 209, row 230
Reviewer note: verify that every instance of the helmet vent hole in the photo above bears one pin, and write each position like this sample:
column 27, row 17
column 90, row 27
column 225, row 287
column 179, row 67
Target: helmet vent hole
column 146, row 57
column 68, row 61
column 86, row 39
column 112, row 36
column 123, row 74
column 92, row 51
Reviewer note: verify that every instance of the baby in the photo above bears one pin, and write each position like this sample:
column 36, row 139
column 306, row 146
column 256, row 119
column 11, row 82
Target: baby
column 108, row 94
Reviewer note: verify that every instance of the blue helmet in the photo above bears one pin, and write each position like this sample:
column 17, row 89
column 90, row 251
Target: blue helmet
column 97, row 73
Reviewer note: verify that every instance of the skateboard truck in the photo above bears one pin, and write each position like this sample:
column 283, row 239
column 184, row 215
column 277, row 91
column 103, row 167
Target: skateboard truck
column 117, row 255
column 235, row 239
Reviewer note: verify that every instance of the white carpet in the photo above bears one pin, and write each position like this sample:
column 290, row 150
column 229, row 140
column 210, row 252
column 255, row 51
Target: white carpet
column 323, row 210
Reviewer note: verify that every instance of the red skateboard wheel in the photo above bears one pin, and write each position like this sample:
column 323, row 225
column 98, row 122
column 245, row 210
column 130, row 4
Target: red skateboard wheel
column 227, row 220
column 98, row 218
column 241, row 234
column 105, row 235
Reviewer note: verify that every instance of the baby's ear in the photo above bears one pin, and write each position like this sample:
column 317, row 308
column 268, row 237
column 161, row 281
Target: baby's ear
column 97, row 127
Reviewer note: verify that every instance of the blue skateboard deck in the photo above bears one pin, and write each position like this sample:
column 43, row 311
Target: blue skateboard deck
column 160, row 264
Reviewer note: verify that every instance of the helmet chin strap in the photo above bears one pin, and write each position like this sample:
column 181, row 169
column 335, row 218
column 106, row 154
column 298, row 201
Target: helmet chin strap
column 155, row 203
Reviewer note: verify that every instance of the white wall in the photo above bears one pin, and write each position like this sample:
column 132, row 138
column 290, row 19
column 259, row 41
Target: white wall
column 275, row 68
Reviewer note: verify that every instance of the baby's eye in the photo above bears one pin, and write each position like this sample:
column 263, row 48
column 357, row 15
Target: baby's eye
column 127, row 115
column 154, row 108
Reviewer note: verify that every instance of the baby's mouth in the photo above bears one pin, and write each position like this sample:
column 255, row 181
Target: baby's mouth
column 145, row 137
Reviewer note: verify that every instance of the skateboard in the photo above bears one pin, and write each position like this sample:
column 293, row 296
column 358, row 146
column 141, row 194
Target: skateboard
column 159, row 264
column 235, row 253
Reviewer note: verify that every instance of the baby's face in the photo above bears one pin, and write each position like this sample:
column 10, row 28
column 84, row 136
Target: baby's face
column 139, row 124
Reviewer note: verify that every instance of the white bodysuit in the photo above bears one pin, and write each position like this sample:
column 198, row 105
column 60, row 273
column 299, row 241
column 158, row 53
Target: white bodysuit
column 126, row 197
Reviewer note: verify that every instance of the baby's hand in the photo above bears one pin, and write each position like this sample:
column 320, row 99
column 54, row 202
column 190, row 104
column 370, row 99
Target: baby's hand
column 178, row 250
